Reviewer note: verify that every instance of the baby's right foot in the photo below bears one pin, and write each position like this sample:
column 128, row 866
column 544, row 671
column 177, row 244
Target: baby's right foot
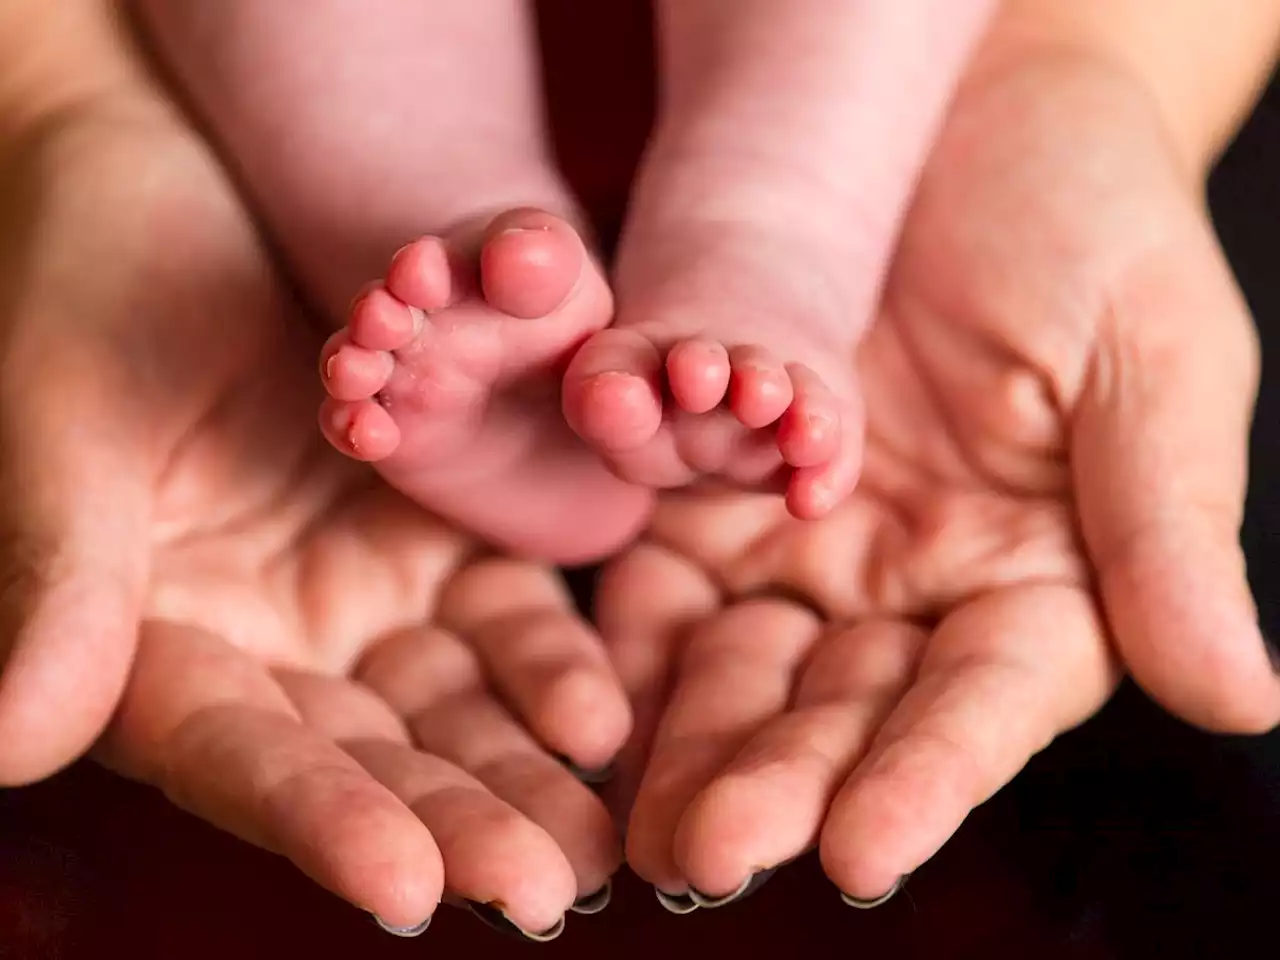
column 758, row 236
column 447, row 379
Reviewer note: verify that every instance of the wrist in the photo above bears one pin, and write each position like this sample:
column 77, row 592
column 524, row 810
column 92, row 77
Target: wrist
column 1201, row 65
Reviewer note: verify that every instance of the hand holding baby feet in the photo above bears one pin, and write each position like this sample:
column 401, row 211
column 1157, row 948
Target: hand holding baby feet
column 1053, row 485
column 446, row 379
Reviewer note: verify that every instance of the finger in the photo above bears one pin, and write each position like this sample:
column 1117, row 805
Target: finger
column 495, row 859
column 765, row 807
column 709, row 527
column 490, row 851
column 548, row 665
column 437, row 684
column 1160, row 459
column 208, row 726
column 74, row 540
column 339, row 709
column 646, row 604
column 736, row 675
column 1000, row 679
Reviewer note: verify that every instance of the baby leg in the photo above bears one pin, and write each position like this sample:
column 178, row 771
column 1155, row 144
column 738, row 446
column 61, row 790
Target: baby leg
column 791, row 135
column 363, row 127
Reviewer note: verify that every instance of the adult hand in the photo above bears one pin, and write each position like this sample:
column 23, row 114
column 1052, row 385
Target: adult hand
column 289, row 648
column 1058, row 389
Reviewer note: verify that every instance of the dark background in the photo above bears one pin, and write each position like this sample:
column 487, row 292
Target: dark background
column 1131, row 837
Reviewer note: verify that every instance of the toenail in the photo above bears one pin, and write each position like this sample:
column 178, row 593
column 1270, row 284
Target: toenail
column 602, row 775
column 746, row 889
column 820, row 422
column 594, row 902
column 492, row 916
column 869, row 904
column 329, row 366
column 545, row 228
column 677, row 903
column 416, row 930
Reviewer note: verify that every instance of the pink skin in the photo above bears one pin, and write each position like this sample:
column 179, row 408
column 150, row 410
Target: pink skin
column 614, row 399
column 445, row 378
column 791, row 134
column 329, row 121
column 744, row 281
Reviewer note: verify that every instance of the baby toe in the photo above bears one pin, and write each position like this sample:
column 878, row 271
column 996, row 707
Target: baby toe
column 350, row 372
column 759, row 388
column 698, row 373
column 363, row 430
column 809, row 431
column 530, row 263
column 611, row 396
column 421, row 274
column 379, row 320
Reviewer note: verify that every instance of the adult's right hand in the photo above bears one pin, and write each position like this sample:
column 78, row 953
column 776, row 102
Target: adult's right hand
column 1058, row 395
column 261, row 627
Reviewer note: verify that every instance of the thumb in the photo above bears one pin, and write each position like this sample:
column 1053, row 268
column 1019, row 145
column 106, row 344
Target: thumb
column 1160, row 457
column 74, row 502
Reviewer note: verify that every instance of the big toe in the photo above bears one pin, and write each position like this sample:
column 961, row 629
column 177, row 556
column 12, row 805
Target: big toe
column 530, row 263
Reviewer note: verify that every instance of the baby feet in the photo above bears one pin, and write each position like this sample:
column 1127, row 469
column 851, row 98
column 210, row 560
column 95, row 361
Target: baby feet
column 732, row 358
column 446, row 379
column 460, row 376
column 764, row 213
column 665, row 409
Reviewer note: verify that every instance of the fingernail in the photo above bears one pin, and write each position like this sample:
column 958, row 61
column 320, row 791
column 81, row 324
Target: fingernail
column 594, row 902
column 677, row 903
column 748, row 887
column 869, row 904
column 415, row 931
column 492, row 916
column 603, row 775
